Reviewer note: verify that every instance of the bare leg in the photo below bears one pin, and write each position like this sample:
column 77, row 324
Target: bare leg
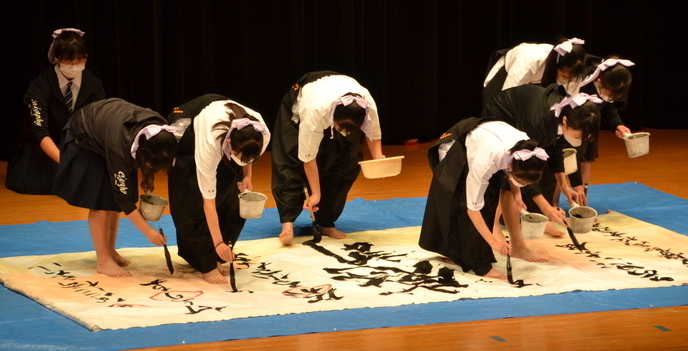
column 113, row 224
column 552, row 230
column 496, row 227
column 332, row 232
column 214, row 277
column 519, row 249
column 222, row 269
column 287, row 233
column 99, row 224
column 493, row 273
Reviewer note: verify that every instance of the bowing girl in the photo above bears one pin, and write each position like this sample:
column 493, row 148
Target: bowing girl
column 214, row 164
column 552, row 119
column 610, row 80
column 469, row 163
column 63, row 87
column 543, row 64
column 321, row 127
column 103, row 146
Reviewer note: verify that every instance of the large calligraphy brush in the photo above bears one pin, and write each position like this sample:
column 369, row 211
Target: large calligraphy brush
column 168, row 259
column 317, row 235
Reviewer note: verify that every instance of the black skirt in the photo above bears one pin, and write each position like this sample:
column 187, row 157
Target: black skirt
column 82, row 177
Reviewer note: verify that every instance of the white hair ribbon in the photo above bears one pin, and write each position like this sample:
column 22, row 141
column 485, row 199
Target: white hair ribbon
column 566, row 47
column 239, row 124
column 603, row 67
column 56, row 33
column 574, row 101
column 150, row 131
column 347, row 100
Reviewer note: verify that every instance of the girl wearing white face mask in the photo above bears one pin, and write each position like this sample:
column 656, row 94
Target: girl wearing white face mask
column 610, row 80
column 470, row 163
column 543, row 64
column 214, row 164
column 33, row 163
column 529, row 108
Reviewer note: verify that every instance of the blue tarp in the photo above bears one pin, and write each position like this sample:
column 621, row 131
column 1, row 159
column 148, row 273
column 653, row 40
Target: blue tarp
column 25, row 324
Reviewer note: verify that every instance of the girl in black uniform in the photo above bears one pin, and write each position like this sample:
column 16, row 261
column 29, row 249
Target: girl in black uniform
column 33, row 163
column 103, row 146
column 214, row 164
column 530, row 108
column 610, row 80
column 321, row 127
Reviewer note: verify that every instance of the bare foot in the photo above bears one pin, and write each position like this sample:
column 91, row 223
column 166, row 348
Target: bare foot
column 333, row 233
column 493, row 273
column 222, row 269
column 214, row 277
column 119, row 259
column 552, row 230
column 287, row 234
column 523, row 252
column 111, row 269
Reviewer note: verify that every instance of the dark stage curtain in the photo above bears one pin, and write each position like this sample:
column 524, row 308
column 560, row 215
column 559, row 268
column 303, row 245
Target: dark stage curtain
column 424, row 61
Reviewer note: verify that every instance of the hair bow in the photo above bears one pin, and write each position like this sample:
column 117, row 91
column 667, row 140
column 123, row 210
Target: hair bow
column 603, row 67
column 566, row 47
column 525, row 154
column 56, row 33
column 150, row 131
column 239, row 124
column 574, row 101
column 347, row 100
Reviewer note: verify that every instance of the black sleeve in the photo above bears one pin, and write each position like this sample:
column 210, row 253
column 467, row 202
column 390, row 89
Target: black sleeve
column 124, row 179
column 37, row 99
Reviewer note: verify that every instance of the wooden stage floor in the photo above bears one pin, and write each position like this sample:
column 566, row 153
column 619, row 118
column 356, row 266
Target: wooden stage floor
column 664, row 169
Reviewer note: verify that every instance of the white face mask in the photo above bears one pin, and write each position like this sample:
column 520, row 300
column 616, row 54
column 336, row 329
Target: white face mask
column 72, row 71
column 573, row 141
column 238, row 160
column 599, row 92
column 563, row 82
column 514, row 182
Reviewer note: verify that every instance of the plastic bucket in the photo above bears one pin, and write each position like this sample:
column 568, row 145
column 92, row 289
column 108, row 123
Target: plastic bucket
column 637, row 144
column 582, row 219
column 533, row 225
column 151, row 206
column 381, row 168
column 251, row 204
column 570, row 161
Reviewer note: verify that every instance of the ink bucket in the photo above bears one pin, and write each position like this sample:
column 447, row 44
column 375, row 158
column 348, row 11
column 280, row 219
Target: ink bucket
column 151, row 206
column 637, row 144
column 570, row 161
column 251, row 204
column 533, row 225
column 582, row 219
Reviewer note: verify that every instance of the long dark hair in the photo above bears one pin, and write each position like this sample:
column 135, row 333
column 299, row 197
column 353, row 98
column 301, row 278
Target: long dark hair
column 350, row 119
column 617, row 80
column 246, row 141
column 69, row 46
column 154, row 155
column 585, row 118
column 574, row 61
column 531, row 169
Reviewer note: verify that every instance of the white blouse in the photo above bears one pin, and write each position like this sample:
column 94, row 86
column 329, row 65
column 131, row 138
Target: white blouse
column 486, row 146
column 208, row 149
column 313, row 107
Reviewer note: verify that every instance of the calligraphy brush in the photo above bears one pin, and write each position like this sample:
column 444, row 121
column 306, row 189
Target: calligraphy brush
column 573, row 237
column 317, row 235
column 232, row 279
column 168, row 259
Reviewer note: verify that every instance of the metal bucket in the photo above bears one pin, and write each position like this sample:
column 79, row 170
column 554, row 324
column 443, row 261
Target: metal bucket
column 151, row 206
column 251, row 204
column 637, row 144
column 570, row 161
column 582, row 219
column 533, row 225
